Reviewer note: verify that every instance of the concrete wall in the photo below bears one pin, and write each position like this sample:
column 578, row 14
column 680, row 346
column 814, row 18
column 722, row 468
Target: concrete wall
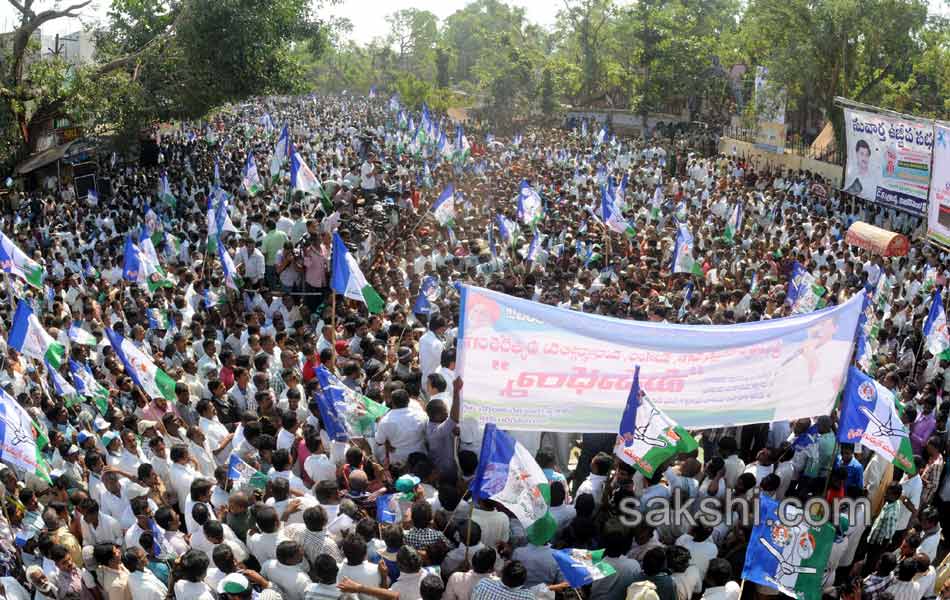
column 762, row 158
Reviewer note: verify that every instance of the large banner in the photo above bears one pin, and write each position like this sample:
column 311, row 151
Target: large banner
column 532, row 367
column 938, row 217
column 770, row 111
column 888, row 160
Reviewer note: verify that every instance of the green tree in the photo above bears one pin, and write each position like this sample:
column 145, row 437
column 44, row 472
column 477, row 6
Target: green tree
column 158, row 59
column 413, row 33
column 547, row 92
column 442, row 67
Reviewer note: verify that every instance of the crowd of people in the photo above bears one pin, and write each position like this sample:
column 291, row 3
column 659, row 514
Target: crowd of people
column 141, row 501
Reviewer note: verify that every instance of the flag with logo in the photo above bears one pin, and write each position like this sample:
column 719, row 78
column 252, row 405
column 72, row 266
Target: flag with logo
column 345, row 412
column 87, row 386
column 159, row 319
column 444, row 207
column 683, row 261
column 935, row 327
column 612, row 216
column 243, row 475
column 508, row 474
column 529, row 204
column 165, row 191
column 302, row 178
column 141, row 268
column 582, row 567
column 656, row 203
column 155, row 382
column 347, row 279
column 80, row 336
column 251, row 179
column 17, row 263
column 869, row 417
column 733, row 223
column 647, row 438
column 21, row 440
column 61, row 386
column 231, row 277
column 387, row 508
column 790, row 559
column 428, row 293
column 28, row 337
column 804, row 293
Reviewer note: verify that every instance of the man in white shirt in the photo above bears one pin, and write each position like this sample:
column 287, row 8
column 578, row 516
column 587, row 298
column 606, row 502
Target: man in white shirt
column 252, row 259
column 288, row 570
column 143, row 584
column 401, row 431
column 719, row 584
column 98, row 527
column 431, row 346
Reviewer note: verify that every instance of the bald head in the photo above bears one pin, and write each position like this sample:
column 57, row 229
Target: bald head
column 358, row 481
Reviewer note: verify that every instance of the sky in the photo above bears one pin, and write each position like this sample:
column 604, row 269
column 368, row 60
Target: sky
column 368, row 16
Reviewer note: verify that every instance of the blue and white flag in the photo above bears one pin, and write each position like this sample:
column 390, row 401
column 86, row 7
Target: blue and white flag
column 935, row 327
column 428, row 293
column 508, row 474
column 80, row 336
column 687, row 296
column 251, row 179
column 444, row 207
column 504, row 230
column 529, row 204
column 534, row 246
column 869, row 417
column 231, row 277
column 17, row 442
column 683, row 261
column 345, row 413
column 387, row 508
column 582, row 567
column 791, row 559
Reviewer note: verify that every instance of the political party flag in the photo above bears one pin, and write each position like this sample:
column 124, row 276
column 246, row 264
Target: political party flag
column 347, row 279
column 862, row 351
column 165, row 191
column 462, row 147
column 92, row 197
column 28, row 337
column 346, row 413
column 60, row 385
column 86, row 385
column 935, row 327
column 647, row 438
column 582, row 567
column 394, row 102
column 16, row 262
column 516, row 140
column 387, row 508
column 444, row 207
column 231, row 277
column 601, row 136
column 687, row 296
column 283, row 146
column 612, row 216
column 155, row 382
column 869, row 416
column 428, row 293
column 529, row 204
column 444, row 147
column 683, row 261
column 790, row 559
column 267, row 122
column 20, row 445
column 733, row 223
column 81, row 336
column 508, row 474
column 929, row 279
column 139, row 267
column 534, row 246
column 242, row 474
column 804, row 293
column 504, row 230
column 251, row 178
column 656, row 203
column 302, row 178
column 372, row 92
column 217, row 173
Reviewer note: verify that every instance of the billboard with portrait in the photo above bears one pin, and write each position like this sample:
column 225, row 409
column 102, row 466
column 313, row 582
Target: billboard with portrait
column 889, row 159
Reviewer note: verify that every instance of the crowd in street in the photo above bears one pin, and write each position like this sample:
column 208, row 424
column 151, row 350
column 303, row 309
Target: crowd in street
column 140, row 500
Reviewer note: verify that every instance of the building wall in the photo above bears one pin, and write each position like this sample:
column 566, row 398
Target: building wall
column 763, row 158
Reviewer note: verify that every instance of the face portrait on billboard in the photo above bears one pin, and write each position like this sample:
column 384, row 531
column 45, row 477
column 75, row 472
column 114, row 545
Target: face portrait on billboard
column 863, row 152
